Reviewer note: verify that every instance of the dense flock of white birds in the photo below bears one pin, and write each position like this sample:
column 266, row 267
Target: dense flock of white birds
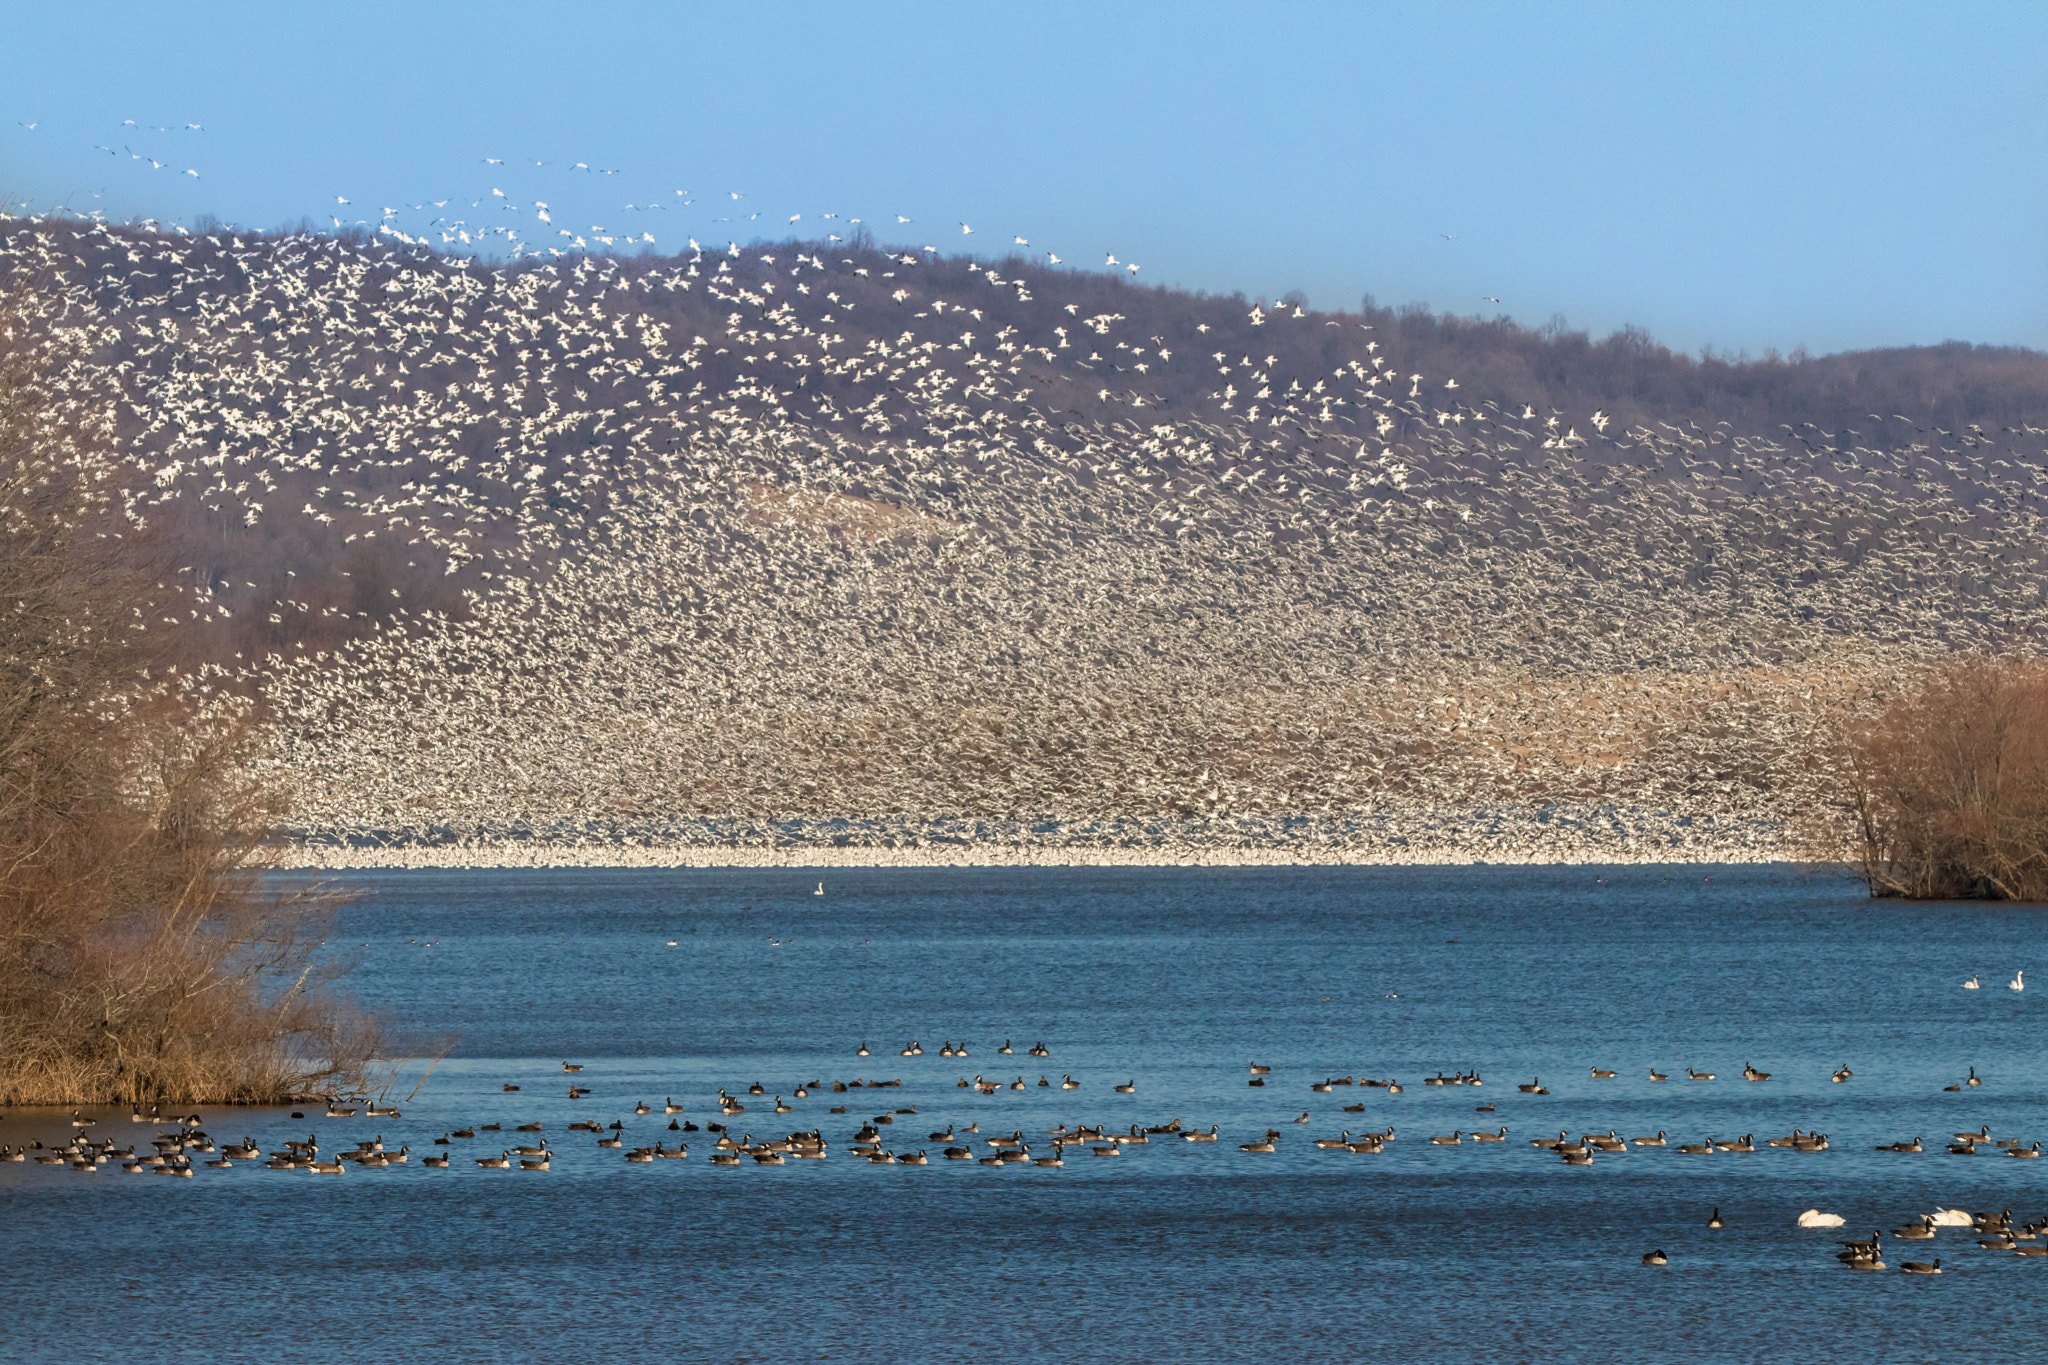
column 774, row 537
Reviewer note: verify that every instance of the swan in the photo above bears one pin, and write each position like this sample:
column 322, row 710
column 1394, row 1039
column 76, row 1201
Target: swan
column 1950, row 1218
column 1814, row 1218
column 2018, row 982
column 1971, row 984
column 820, row 891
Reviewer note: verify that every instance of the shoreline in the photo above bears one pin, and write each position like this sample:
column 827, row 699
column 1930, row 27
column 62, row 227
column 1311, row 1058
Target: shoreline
column 1549, row 836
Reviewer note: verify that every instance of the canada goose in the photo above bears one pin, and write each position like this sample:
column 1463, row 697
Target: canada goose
column 1745, row 1143
column 463, row 1133
column 1981, row 1135
column 1262, row 1145
column 611, row 1141
column 861, row 1051
column 1972, row 1078
column 1501, row 1136
column 1915, row 1232
column 1332, row 1144
column 1655, row 1258
column 1697, row 1148
column 572, row 1067
column 1534, row 1087
column 1194, row 1136
column 1581, row 1157
column 1750, row 1073
column 1004, row 1050
column 1657, row 1141
column 1555, row 1143
column 917, row 1158
column 1354, row 1109
column 725, row 1158
column 337, row 1112
column 1453, row 1140
column 1127, row 1087
column 1394, row 1088
column 2029, row 1152
column 1040, row 1050
column 247, row 1150
column 502, row 1161
column 1692, row 1075
column 1258, row 1070
column 334, row 1167
column 437, row 1162
column 383, row 1112
column 1320, row 1087
column 1657, row 1075
column 1714, row 1220
column 1600, row 1075
column 1054, row 1160
column 1920, row 1268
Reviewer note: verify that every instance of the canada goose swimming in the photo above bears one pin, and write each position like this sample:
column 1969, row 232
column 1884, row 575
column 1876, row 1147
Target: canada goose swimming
column 437, row 1162
column 1040, row 1050
column 1501, row 1136
column 1332, row 1144
column 1355, row 1108
column 1920, row 1268
column 502, row 1161
column 1842, row 1075
column 1915, row 1232
column 2030, row 1152
column 509, row 1089
column 1600, row 1075
column 1127, row 1087
column 1534, row 1087
column 334, row 1167
column 1750, row 1073
column 1981, row 1135
column 567, row 1066
column 1657, row 1141
column 1972, row 1078
column 1657, row 1075
column 1193, row 1136
column 1582, row 1157
column 1393, row 1087
column 917, row 1158
column 1258, row 1070
column 1262, row 1145
column 1697, row 1148
column 383, row 1112
column 1004, row 1050
column 1714, row 1220
column 1455, row 1139
column 1692, row 1075
column 1971, row 984
column 861, row 1051
column 1745, row 1143
column 1655, row 1258
column 1323, row 1087
column 1548, row 1142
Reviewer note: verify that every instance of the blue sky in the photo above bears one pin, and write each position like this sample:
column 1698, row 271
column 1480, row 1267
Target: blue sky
column 1742, row 176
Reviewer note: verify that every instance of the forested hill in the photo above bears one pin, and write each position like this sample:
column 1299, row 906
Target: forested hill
column 852, row 531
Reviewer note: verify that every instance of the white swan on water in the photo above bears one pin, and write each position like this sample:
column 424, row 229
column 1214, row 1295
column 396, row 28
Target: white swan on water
column 1814, row 1218
column 2018, row 982
column 1971, row 984
column 1951, row 1218
column 820, row 891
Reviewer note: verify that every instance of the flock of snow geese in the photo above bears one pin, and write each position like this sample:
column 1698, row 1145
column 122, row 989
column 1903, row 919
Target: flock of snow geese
column 181, row 1146
column 824, row 542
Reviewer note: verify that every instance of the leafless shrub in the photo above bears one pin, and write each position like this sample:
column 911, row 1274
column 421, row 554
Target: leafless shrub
column 1950, row 788
column 141, row 957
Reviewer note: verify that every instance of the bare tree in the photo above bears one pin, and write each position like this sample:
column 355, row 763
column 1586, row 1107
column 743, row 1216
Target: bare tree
column 1951, row 787
column 141, row 956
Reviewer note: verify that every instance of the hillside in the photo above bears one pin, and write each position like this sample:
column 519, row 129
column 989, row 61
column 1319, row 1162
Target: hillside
column 673, row 547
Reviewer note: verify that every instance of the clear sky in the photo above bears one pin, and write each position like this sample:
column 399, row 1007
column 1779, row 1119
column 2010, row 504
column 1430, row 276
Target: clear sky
column 1741, row 176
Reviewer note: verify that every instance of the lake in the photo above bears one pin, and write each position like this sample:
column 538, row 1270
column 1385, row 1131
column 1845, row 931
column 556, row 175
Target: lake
column 1174, row 981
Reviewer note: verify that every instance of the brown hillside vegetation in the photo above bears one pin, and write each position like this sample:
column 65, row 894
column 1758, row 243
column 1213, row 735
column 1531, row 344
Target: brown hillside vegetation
column 1951, row 786
column 139, row 960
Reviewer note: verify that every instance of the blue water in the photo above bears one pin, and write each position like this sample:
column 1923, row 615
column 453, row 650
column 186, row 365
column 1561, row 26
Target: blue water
column 1173, row 979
